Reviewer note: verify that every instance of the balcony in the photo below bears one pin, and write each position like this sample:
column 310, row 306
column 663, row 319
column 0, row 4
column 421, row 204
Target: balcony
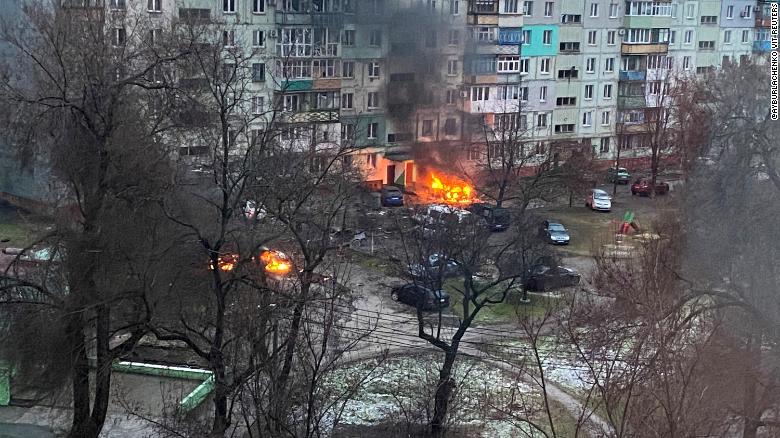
column 626, row 102
column 641, row 49
column 314, row 116
column 483, row 7
column 763, row 21
column 762, row 46
column 627, row 75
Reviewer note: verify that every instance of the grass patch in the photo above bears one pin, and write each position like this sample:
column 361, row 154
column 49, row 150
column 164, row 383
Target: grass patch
column 18, row 234
column 584, row 226
column 375, row 263
column 505, row 312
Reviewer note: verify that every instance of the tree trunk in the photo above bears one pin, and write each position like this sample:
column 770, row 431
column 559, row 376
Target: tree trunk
column 443, row 393
column 749, row 410
column 103, row 370
column 82, row 425
column 221, row 419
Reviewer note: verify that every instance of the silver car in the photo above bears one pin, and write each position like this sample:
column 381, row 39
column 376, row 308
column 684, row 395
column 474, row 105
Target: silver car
column 598, row 200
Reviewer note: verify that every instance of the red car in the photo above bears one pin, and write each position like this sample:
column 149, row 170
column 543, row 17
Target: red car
column 642, row 187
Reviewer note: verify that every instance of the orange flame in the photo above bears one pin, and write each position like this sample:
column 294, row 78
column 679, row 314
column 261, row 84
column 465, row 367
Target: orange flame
column 275, row 262
column 453, row 191
column 226, row 262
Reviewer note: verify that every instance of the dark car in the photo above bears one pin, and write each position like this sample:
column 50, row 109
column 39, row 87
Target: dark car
column 435, row 266
column 418, row 295
column 642, row 187
column 392, row 196
column 554, row 232
column 618, row 175
column 546, row 276
column 496, row 218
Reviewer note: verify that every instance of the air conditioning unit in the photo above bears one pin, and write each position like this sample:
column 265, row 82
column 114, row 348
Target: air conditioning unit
column 621, row 32
column 756, row 9
column 743, row 14
column 272, row 33
column 464, row 94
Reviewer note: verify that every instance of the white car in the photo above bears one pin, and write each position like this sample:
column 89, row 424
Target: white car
column 598, row 200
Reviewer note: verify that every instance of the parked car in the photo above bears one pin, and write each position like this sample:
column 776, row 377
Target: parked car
column 618, row 175
column 392, row 196
column 598, row 200
column 434, row 266
column 554, row 232
column 642, row 187
column 441, row 215
column 496, row 218
column 418, row 295
column 544, row 276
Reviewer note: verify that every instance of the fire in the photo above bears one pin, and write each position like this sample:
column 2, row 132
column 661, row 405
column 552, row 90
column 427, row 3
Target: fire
column 226, row 262
column 275, row 262
column 453, row 191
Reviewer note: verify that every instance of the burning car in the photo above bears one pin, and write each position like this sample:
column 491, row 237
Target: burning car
column 450, row 190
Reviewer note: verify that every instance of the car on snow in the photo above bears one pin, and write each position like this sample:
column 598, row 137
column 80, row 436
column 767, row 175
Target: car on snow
column 434, row 266
column 417, row 295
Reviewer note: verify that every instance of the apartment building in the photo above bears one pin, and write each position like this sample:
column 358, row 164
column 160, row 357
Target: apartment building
column 411, row 82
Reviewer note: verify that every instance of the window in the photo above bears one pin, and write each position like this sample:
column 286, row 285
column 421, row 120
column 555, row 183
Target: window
column 727, row 37
column 509, row 92
column 450, row 126
column 594, row 9
column 587, row 118
column 485, row 34
column 547, row 37
column 654, row 87
column 375, row 38
column 608, row 91
column 348, row 69
column 569, row 47
column 452, row 67
column 347, row 131
column 590, row 65
column 373, row 70
column 349, row 38
column 430, row 5
column 154, row 36
column 571, row 18
column 427, row 128
column 454, row 37
column 454, row 7
column 730, row 12
column 229, row 38
column 591, row 37
column 543, row 93
column 686, row 62
column 511, row 6
column 541, row 120
column 706, row 45
column 258, row 38
column 609, row 65
column 528, row 8
column 548, row 9
column 688, row 37
column 745, row 35
column 611, row 37
column 709, row 19
column 474, row 153
column 524, row 63
column 118, row 36
column 613, row 12
column 258, row 102
column 258, row 72
column 564, row 128
column 508, row 64
column 544, row 65
column 290, row 103
column 526, row 37
column 672, row 36
column 229, row 6
column 480, row 93
column 656, row 61
column 689, row 11
column 373, row 99
column 347, row 100
column 604, row 145
column 154, row 5
column 674, row 10
column 524, row 94
column 588, row 92
column 605, row 115
column 745, row 12
column 118, row 4
column 570, row 73
column 566, row 101
column 373, row 129
column 452, row 96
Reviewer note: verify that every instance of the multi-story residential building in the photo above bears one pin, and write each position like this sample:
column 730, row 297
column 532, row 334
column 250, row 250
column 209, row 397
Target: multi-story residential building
column 412, row 83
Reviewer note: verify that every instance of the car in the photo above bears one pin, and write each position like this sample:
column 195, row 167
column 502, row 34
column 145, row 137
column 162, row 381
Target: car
column 424, row 297
column 544, row 276
column 598, row 200
column 496, row 218
column 554, row 232
column 642, row 187
column 434, row 266
column 392, row 196
column 618, row 175
column 438, row 214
